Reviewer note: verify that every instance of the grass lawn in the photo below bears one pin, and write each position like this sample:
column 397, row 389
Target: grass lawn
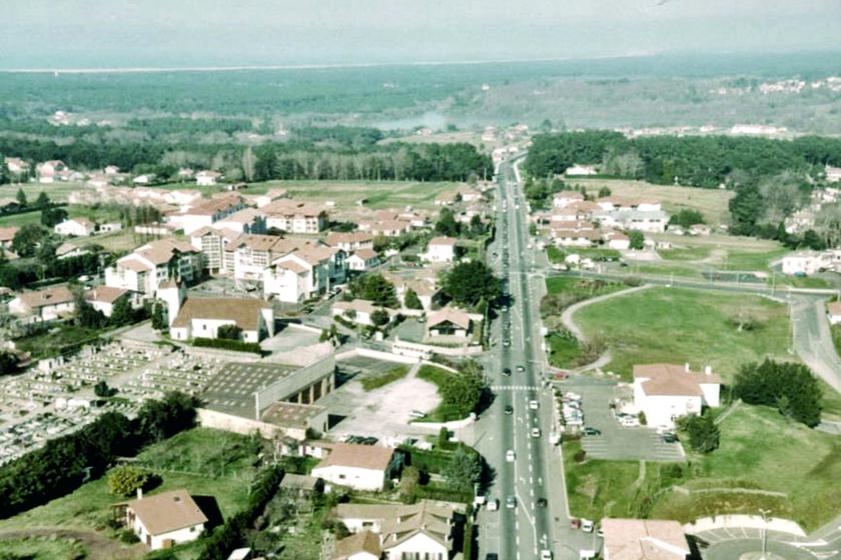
column 712, row 203
column 395, row 373
column 58, row 192
column 42, row 548
column 564, row 351
column 205, row 462
column 378, row 194
column 760, row 450
column 442, row 412
column 54, row 341
column 558, row 254
column 689, row 253
column 20, row 220
column 582, row 287
column 679, row 325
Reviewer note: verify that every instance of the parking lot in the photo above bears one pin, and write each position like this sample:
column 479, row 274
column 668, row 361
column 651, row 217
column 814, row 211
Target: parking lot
column 383, row 412
column 616, row 442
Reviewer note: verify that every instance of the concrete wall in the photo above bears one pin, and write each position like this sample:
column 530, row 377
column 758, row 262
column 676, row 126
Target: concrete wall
column 239, row 425
column 298, row 381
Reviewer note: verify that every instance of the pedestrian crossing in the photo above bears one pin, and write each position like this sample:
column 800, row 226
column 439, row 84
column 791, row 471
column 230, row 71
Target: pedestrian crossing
column 514, row 388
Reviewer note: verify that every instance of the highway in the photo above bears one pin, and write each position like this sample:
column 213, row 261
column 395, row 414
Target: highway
column 523, row 532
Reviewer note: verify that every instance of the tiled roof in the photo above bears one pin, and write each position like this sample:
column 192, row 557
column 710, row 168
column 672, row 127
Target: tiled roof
column 167, row 512
column 672, row 380
column 365, row 541
column 47, row 296
column 105, row 294
column 245, row 312
column 358, row 456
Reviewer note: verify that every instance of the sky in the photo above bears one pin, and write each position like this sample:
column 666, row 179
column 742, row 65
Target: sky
column 206, row 33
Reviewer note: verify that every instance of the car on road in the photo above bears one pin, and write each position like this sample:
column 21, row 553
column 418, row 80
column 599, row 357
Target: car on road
column 510, row 456
column 533, row 404
column 545, row 554
column 417, row 414
column 541, row 503
column 520, row 369
column 535, row 432
column 509, row 409
column 506, row 343
column 591, row 431
column 506, row 372
column 493, row 504
column 491, row 556
column 511, row 502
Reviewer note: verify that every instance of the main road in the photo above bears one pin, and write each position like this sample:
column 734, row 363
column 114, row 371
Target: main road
column 517, row 428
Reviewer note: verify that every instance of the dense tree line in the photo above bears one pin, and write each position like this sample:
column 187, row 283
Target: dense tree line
column 224, row 539
column 790, row 387
column 700, row 161
column 65, row 463
column 17, row 275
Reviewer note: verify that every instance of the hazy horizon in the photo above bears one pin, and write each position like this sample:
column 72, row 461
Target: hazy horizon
column 209, row 33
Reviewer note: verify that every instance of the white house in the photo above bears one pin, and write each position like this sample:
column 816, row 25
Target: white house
column 617, row 240
column 580, row 171
column 351, row 241
column 304, row 273
column 833, row 312
column 78, row 227
column 364, row 545
column 451, row 322
column 49, row 171
column 248, row 256
column 103, row 298
column 423, row 530
column 247, row 220
column 358, row 311
column 16, row 166
column 207, row 212
column 803, row 263
column 164, row 520
column 152, row 264
column 44, row 305
column 665, row 392
column 295, row 217
column 644, row 539
column 833, row 174
column 564, row 199
column 441, row 249
column 207, row 178
column 362, row 260
column 361, row 467
column 202, row 317
column 7, row 235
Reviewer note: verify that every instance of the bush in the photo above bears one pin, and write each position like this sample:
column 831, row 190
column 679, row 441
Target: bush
column 235, row 345
column 580, row 456
column 128, row 537
column 126, row 480
column 704, row 435
column 790, row 387
column 229, row 332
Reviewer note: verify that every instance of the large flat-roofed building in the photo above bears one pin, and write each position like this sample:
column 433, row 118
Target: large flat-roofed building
column 269, row 397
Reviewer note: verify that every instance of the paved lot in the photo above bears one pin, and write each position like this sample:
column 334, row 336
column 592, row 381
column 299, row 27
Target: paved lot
column 289, row 339
column 383, row 412
column 616, row 442
column 736, row 543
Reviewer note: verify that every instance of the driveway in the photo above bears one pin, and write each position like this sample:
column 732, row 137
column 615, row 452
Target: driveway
column 616, row 442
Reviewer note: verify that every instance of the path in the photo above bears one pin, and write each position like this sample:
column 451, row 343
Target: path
column 99, row 546
column 566, row 316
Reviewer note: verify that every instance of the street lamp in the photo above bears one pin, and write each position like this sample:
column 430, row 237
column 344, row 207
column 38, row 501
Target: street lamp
column 764, row 513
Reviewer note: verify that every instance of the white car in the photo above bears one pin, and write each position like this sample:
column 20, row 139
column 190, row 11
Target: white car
column 534, row 405
column 587, row 525
column 510, row 456
column 535, row 432
column 629, row 422
column 545, row 554
column 493, row 504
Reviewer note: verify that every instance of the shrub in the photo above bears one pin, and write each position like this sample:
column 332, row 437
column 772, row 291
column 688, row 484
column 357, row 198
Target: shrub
column 229, row 332
column 790, row 387
column 125, row 480
column 579, row 456
column 128, row 537
column 235, row 345
column 704, row 435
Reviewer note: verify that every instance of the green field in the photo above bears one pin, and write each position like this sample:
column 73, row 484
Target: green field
column 760, row 450
column 678, row 325
column 55, row 341
column 58, row 192
column 202, row 461
column 375, row 382
column 42, row 548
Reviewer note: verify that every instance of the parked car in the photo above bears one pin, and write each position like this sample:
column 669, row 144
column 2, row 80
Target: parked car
column 587, row 525
column 669, row 437
column 417, row 414
column 493, row 504
column 591, row 431
column 491, row 556
column 629, row 421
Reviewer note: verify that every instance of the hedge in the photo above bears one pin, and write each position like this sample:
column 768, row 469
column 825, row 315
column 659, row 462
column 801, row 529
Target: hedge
column 225, row 344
